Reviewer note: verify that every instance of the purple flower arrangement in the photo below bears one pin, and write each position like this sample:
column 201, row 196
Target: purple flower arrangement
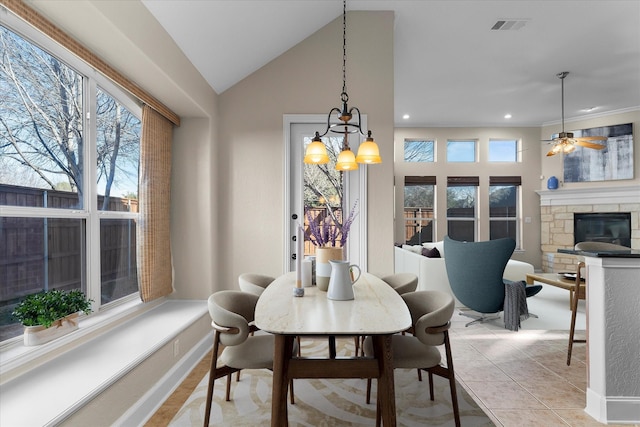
column 329, row 231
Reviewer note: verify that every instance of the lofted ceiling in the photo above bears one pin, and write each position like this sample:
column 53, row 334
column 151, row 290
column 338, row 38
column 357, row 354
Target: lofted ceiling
column 451, row 68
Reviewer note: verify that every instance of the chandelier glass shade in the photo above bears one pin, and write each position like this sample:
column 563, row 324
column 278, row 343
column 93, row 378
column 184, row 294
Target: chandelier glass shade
column 339, row 120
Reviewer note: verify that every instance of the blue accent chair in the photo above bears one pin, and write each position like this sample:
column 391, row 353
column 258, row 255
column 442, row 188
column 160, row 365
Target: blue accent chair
column 475, row 271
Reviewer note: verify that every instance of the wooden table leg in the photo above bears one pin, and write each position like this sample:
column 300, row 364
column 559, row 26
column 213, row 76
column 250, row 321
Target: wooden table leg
column 282, row 353
column 386, row 389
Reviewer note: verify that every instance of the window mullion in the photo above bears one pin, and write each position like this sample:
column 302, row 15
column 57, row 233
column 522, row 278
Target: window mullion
column 91, row 200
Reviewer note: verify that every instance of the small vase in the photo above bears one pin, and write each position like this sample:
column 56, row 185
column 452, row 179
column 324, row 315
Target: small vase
column 323, row 269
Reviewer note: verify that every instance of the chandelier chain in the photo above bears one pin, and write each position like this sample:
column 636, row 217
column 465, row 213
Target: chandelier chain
column 344, row 51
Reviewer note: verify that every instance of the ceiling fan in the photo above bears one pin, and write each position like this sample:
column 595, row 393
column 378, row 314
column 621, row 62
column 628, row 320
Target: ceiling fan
column 565, row 142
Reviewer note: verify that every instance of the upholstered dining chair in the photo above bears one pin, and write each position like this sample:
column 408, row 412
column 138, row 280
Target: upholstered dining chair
column 401, row 283
column 475, row 271
column 254, row 283
column 599, row 246
column 431, row 313
column 232, row 315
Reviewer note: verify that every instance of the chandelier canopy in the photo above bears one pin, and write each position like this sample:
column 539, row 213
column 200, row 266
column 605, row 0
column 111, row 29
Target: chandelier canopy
column 368, row 152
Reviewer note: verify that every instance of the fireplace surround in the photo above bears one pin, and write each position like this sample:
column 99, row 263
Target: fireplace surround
column 557, row 210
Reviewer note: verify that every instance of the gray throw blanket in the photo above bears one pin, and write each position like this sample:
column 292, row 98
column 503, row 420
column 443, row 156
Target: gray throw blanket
column 515, row 304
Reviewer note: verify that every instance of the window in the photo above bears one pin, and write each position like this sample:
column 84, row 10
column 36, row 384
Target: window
column 461, row 151
column 503, row 207
column 462, row 195
column 69, row 156
column 503, row 150
column 417, row 150
column 419, row 195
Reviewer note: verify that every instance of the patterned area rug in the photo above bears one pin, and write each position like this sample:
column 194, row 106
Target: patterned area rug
column 332, row 402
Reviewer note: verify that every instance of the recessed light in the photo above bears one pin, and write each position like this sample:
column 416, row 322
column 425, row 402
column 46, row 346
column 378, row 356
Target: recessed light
column 589, row 109
column 507, row 116
column 406, row 116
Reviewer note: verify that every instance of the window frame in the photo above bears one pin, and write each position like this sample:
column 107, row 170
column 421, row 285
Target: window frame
column 508, row 181
column 465, row 181
column 431, row 142
column 419, row 221
column 474, row 142
column 516, row 150
column 90, row 213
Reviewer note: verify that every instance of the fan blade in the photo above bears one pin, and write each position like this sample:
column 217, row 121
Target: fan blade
column 551, row 153
column 592, row 138
column 589, row 144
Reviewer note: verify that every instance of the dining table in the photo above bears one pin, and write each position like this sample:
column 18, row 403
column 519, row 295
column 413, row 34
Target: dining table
column 376, row 310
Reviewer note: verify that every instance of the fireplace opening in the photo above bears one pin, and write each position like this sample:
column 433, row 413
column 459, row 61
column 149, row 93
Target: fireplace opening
column 614, row 227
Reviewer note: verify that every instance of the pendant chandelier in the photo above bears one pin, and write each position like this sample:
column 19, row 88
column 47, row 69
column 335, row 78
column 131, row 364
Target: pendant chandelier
column 368, row 152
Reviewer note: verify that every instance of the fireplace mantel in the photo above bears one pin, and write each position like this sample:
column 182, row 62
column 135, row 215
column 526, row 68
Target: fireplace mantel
column 590, row 196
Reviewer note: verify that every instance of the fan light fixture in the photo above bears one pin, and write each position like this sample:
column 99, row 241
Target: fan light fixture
column 566, row 142
column 368, row 152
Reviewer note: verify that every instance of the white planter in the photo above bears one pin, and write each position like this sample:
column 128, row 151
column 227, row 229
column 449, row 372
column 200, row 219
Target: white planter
column 36, row 335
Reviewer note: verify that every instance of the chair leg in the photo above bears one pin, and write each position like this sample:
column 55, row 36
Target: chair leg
column 419, row 375
column 431, row 385
column 212, row 377
column 574, row 309
column 291, row 394
column 228, row 394
column 368, row 390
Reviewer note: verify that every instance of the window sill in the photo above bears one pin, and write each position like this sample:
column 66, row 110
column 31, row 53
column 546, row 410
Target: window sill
column 15, row 356
column 63, row 376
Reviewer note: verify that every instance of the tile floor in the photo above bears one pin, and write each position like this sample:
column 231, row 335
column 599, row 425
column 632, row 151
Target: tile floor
column 518, row 378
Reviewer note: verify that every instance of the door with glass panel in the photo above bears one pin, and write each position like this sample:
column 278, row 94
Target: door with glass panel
column 322, row 198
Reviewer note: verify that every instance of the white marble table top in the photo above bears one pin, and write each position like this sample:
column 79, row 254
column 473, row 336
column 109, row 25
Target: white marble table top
column 376, row 309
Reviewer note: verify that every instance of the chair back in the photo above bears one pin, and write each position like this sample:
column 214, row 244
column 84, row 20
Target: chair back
column 254, row 283
column 402, row 282
column 429, row 309
column 475, row 271
column 599, row 246
column 233, row 309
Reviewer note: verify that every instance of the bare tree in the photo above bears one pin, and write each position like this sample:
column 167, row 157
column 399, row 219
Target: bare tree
column 41, row 120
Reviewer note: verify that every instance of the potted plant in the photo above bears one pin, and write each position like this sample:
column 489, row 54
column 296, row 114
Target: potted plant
column 48, row 315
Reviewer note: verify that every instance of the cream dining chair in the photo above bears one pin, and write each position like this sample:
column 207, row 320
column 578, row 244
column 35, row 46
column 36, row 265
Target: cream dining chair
column 254, row 283
column 401, row 283
column 431, row 313
column 232, row 315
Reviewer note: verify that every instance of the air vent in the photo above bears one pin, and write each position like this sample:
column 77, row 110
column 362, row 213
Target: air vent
column 510, row 24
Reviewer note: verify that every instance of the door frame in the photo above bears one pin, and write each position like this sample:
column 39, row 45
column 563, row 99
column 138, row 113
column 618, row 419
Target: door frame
column 357, row 246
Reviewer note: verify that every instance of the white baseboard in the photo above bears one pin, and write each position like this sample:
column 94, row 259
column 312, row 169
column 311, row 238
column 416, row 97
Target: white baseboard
column 148, row 404
column 613, row 410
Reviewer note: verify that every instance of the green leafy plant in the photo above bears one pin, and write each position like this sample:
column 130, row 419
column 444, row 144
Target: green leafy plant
column 46, row 307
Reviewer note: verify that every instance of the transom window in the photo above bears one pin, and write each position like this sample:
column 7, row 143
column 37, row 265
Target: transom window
column 461, row 151
column 503, row 150
column 419, row 150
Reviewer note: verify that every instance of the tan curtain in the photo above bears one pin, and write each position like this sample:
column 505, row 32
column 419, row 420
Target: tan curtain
column 154, row 197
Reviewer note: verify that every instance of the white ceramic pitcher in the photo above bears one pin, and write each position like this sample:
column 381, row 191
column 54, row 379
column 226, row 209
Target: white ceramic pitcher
column 340, row 282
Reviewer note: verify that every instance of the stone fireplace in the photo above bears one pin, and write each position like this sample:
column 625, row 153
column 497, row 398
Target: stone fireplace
column 557, row 209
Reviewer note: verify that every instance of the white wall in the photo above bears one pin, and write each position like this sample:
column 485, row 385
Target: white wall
column 307, row 79
column 528, row 169
column 552, row 166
